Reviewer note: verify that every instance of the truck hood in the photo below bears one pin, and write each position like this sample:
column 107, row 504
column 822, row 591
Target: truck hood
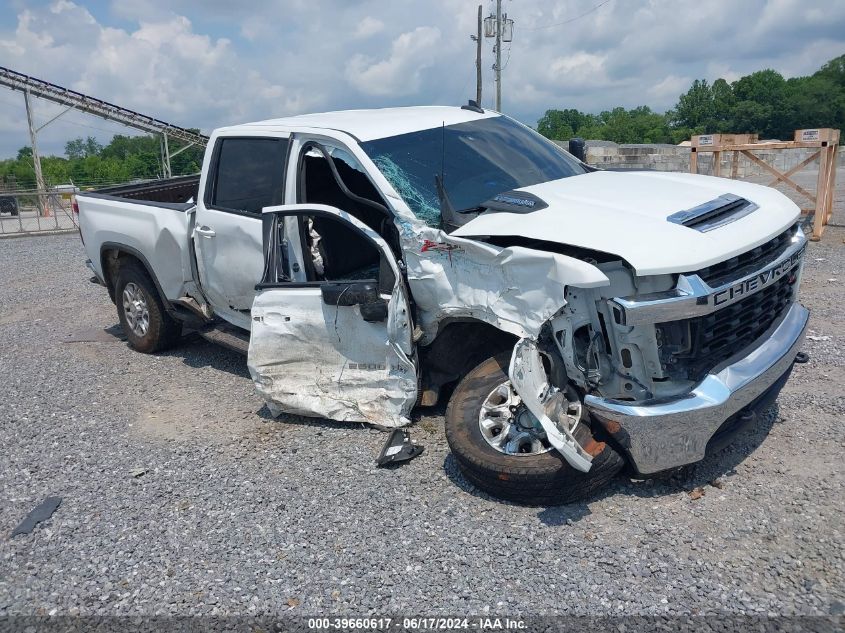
column 625, row 214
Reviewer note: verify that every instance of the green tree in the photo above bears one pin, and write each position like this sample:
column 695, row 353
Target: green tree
column 564, row 124
column 834, row 71
column 761, row 104
column 75, row 148
column 751, row 117
column 695, row 108
column 724, row 101
column 82, row 148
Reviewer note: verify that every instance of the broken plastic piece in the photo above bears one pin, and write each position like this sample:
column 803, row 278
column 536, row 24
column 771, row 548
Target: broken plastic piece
column 39, row 513
column 529, row 380
column 398, row 448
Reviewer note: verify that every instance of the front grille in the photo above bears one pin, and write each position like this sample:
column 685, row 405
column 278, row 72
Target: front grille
column 747, row 262
column 692, row 347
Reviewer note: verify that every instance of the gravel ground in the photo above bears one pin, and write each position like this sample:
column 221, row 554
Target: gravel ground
column 238, row 513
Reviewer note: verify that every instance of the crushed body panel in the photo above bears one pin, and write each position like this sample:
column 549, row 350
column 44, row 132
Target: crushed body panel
column 515, row 289
column 319, row 360
column 529, row 380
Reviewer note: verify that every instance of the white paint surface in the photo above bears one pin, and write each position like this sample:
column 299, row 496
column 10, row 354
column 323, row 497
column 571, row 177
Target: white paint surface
column 624, row 214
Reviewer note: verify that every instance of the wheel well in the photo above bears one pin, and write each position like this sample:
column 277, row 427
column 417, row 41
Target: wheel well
column 459, row 347
column 112, row 258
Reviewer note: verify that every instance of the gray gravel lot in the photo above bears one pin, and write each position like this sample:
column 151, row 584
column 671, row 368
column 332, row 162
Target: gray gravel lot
column 238, row 513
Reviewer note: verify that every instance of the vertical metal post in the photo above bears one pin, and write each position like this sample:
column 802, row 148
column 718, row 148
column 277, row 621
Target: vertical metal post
column 822, row 182
column 165, row 156
column 498, row 55
column 478, row 61
column 36, row 159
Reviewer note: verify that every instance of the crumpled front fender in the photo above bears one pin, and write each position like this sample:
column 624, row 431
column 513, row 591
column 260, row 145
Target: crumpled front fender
column 514, row 289
column 529, row 380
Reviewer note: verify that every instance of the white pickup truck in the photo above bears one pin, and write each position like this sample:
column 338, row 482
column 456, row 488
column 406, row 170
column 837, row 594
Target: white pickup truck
column 372, row 261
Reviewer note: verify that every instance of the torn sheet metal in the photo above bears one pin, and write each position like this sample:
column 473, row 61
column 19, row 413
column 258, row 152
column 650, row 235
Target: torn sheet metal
column 313, row 359
column 515, row 289
column 529, row 380
column 310, row 358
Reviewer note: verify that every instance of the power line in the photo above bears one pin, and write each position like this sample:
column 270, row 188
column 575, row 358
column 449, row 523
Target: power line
column 462, row 95
column 507, row 61
column 570, row 20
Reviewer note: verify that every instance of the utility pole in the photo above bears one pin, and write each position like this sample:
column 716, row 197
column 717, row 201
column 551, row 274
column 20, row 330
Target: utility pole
column 500, row 27
column 36, row 159
column 498, row 55
column 477, row 39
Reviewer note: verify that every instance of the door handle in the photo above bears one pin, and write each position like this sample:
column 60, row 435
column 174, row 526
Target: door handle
column 205, row 231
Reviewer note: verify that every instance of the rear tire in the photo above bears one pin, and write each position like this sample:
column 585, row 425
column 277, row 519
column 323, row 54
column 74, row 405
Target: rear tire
column 533, row 479
column 145, row 322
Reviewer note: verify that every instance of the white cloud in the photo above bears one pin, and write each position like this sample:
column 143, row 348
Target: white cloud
column 163, row 68
column 222, row 62
column 669, row 88
column 368, row 27
column 578, row 69
column 401, row 72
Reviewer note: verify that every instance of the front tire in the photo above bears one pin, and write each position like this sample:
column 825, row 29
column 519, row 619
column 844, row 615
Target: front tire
column 145, row 322
column 538, row 477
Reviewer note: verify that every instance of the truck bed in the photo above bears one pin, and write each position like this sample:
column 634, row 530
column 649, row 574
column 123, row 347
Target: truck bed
column 179, row 190
column 151, row 221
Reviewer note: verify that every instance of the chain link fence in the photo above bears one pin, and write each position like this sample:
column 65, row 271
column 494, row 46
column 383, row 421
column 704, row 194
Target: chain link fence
column 28, row 212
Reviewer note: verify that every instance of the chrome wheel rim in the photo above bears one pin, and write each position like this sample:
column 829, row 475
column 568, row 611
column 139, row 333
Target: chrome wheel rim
column 510, row 428
column 135, row 309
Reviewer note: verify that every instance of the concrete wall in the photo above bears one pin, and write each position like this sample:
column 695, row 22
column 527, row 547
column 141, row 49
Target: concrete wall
column 660, row 157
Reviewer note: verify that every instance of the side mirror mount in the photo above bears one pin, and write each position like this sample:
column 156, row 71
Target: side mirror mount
column 356, row 293
column 578, row 148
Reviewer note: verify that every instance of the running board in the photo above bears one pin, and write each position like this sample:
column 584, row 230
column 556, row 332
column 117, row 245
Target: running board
column 227, row 336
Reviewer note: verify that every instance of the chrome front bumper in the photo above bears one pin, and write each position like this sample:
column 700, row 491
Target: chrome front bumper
column 668, row 433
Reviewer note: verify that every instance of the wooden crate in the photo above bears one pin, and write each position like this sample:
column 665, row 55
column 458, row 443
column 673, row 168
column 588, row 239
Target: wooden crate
column 717, row 140
column 825, row 139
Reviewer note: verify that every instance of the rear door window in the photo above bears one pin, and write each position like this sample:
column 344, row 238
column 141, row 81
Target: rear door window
column 248, row 174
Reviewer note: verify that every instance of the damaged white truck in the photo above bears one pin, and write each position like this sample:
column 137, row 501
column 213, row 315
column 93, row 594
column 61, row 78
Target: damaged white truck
column 372, row 261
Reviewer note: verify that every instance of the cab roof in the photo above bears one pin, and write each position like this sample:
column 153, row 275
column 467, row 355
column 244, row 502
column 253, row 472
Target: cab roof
column 368, row 125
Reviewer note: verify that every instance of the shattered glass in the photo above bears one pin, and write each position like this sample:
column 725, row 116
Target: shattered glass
column 426, row 209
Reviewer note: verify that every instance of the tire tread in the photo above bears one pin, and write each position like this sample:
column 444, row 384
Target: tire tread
column 545, row 479
column 165, row 331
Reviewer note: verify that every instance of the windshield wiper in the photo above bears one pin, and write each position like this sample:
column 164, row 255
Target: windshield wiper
column 446, row 204
column 471, row 210
column 450, row 218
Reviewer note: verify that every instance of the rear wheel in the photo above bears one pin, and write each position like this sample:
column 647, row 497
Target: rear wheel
column 145, row 322
column 502, row 449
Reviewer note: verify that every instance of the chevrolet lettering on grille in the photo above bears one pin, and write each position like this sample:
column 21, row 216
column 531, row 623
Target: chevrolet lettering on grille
column 757, row 282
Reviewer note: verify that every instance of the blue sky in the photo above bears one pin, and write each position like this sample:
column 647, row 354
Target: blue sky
column 218, row 62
